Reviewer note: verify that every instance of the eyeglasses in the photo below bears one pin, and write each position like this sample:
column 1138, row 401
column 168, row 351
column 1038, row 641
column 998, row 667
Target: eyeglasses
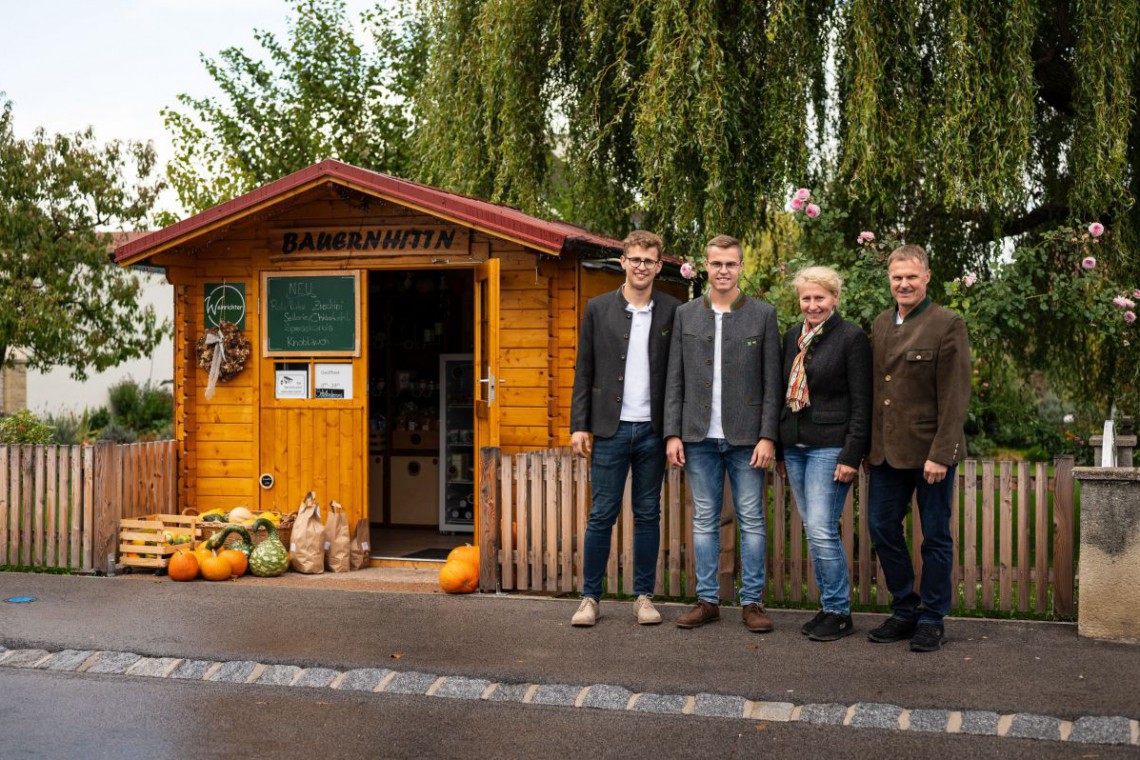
column 728, row 266
column 639, row 263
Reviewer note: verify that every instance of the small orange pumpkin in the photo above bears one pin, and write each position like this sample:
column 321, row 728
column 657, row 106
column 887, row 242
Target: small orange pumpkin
column 465, row 553
column 458, row 577
column 203, row 554
column 237, row 559
column 216, row 568
column 183, row 566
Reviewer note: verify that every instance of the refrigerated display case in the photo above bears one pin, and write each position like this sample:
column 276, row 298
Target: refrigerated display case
column 456, row 443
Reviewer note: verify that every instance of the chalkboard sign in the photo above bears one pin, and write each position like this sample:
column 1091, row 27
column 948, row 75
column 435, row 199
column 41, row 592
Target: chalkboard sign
column 311, row 314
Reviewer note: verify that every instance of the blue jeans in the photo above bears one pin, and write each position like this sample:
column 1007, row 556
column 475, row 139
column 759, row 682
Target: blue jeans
column 635, row 446
column 891, row 492
column 705, row 464
column 819, row 499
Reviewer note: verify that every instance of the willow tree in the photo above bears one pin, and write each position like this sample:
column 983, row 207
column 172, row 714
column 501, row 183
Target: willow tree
column 972, row 127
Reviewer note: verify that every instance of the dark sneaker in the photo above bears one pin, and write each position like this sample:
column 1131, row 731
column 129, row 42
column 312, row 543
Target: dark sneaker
column 892, row 630
column 811, row 624
column 832, row 628
column 755, row 618
column 701, row 613
column 928, row 637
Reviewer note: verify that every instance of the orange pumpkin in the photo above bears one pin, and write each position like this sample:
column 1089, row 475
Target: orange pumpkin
column 237, row 559
column 183, row 566
column 216, row 568
column 203, row 554
column 465, row 553
column 458, row 577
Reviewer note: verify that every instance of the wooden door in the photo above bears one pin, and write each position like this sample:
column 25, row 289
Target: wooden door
column 486, row 364
column 316, row 444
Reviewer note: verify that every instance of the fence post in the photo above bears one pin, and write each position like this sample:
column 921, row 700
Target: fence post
column 489, row 518
column 1063, row 539
column 108, row 504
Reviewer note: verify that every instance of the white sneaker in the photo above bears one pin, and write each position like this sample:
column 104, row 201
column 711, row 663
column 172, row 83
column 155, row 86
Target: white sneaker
column 587, row 613
column 645, row 612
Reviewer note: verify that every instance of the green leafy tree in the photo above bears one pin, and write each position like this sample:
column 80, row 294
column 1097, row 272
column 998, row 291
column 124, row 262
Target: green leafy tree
column 23, row 427
column 61, row 297
column 318, row 94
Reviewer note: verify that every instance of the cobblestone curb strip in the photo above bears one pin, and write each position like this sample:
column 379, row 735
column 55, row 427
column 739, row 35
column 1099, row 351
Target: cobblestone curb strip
column 1091, row 729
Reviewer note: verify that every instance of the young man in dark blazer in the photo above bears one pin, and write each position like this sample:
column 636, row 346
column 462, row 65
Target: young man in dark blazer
column 722, row 414
column 921, row 392
column 619, row 394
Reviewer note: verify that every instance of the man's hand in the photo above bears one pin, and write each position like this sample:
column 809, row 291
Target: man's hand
column 763, row 454
column 844, row 474
column 580, row 442
column 675, row 452
column 934, row 472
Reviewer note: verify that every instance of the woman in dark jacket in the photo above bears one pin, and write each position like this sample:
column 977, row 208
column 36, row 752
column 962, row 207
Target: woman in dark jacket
column 824, row 434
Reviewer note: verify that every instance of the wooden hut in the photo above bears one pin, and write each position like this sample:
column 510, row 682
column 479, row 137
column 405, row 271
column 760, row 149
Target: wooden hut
column 395, row 329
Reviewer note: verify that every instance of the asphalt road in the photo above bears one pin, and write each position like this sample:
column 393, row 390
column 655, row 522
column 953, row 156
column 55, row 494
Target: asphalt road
column 57, row 716
column 988, row 665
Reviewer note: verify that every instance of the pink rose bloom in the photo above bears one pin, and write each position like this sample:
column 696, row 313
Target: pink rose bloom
column 985, row 385
column 866, row 236
column 687, row 271
column 1136, row 294
column 797, row 204
column 802, row 194
column 1096, row 229
column 1121, row 302
column 969, row 279
column 1129, row 317
column 812, row 211
column 1087, row 263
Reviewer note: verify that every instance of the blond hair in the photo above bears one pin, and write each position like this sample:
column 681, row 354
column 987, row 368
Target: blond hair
column 725, row 241
column 642, row 239
column 826, row 277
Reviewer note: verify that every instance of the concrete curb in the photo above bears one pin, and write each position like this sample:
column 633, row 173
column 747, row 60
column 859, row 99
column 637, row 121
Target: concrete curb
column 1085, row 730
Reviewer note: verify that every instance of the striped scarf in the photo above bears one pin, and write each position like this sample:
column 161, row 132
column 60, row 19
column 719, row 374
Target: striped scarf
column 797, row 396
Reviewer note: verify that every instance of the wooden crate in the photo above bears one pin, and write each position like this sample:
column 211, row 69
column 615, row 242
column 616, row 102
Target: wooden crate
column 155, row 551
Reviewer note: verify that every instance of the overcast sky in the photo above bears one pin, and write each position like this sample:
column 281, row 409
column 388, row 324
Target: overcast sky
column 115, row 64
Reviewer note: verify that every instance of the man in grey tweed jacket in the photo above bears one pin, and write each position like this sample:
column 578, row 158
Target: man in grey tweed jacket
column 722, row 409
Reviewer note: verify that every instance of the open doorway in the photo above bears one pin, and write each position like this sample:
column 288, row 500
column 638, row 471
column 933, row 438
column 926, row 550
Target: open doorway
column 420, row 418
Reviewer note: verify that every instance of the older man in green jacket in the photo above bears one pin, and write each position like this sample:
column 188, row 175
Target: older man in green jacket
column 921, row 357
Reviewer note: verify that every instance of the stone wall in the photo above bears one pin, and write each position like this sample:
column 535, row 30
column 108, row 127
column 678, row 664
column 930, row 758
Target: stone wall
column 1109, row 603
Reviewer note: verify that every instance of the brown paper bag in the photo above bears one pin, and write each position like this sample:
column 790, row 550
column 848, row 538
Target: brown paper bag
column 337, row 540
column 307, row 543
column 360, row 551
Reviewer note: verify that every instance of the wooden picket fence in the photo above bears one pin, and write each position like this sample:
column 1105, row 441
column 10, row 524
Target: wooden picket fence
column 60, row 505
column 1009, row 554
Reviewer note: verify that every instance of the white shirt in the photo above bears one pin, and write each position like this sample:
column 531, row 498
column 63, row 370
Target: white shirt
column 716, row 430
column 635, row 394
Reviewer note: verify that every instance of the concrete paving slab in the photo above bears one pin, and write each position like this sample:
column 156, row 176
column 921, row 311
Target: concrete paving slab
column 67, row 660
column 509, row 692
column 719, row 706
column 1035, row 727
column 875, row 715
column 192, row 669
column 114, row 662
column 411, row 682
column 556, row 694
column 829, row 714
column 278, row 675
column 457, row 687
column 979, row 722
column 1102, row 730
column 317, row 677
column 933, row 721
column 607, row 697
column 237, row 671
column 363, row 679
column 661, row 703
column 152, row 667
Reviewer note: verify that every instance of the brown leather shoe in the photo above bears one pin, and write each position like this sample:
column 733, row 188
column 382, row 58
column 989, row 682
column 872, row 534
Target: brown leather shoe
column 756, row 618
column 701, row 613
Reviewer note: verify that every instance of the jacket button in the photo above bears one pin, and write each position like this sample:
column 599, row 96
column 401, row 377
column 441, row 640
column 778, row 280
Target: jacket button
column 887, row 402
column 887, row 378
column 620, row 378
column 708, row 362
column 626, row 336
column 623, row 357
column 706, row 406
column 628, row 315
column 709, row 338
column 708, row 384
column 619, row 399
